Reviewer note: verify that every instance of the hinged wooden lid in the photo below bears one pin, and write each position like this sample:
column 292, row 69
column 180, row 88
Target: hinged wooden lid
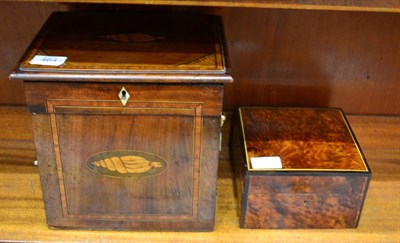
column 129, row 47
column 304, row 139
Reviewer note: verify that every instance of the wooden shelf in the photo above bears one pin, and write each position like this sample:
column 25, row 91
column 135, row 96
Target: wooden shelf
column 22, row 215
column 349, row 5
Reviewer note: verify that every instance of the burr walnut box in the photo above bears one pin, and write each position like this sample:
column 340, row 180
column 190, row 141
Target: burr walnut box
column 298, row 168
column 126, row 114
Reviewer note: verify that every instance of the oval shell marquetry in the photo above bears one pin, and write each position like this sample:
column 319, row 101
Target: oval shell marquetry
column 126, row 163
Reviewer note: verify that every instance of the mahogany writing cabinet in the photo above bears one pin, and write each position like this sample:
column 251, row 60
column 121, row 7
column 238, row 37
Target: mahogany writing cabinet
column 127, row 129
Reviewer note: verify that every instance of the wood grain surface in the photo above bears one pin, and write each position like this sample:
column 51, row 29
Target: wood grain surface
column 304, row 139
column 16, row 138
column 110, row 46
column 22, row 216
column 37, row 94
column 303, row 201
column 355, row 5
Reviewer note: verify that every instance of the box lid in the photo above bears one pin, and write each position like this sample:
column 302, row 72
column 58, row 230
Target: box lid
column 128, row 47
column 304, row 139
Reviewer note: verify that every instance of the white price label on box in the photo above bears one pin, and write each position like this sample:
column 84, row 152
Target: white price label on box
column 48, row 60
column 269, row 162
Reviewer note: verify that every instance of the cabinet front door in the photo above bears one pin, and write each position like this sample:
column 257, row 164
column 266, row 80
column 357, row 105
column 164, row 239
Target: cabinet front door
column 139, row 162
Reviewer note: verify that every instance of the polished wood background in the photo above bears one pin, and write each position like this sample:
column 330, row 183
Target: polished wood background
column 278, row 57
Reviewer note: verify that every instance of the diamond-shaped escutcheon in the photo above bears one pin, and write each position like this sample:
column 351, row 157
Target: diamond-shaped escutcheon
column 124, row 96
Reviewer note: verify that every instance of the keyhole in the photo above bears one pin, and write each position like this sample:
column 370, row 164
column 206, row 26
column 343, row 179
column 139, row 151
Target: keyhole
column 123, row 95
